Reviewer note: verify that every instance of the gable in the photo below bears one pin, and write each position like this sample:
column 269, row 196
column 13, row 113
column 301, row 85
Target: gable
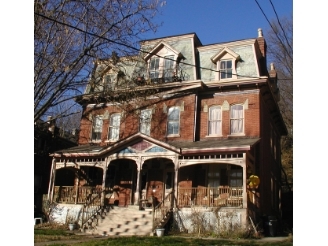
column 225, row 53
column 162, row 49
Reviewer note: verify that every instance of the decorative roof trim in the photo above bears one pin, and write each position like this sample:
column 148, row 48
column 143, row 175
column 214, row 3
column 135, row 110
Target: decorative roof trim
column 224, row 51
column 158, row 47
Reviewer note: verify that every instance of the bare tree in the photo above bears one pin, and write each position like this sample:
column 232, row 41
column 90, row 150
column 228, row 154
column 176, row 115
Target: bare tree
column 280, row 52
column 69, row 35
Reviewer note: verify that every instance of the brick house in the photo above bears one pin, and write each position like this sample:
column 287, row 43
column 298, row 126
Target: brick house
column 180, row 125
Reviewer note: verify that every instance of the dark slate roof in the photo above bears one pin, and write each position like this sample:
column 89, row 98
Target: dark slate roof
column 208, row 145
column 82, row 149
column 216, row 143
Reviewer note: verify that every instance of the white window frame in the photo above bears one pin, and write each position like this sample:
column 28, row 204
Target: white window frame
column 237, row 120
column 145, row 121
column 154, row 68
column 167, row 58
column 224, row 56
column 114, row 127
column 225, row 71
column 173, row 121
column 215, row 119
column 96, row 128
column 108, row 86
column 162, row 67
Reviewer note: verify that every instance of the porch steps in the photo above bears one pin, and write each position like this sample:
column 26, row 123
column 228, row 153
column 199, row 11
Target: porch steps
column 125, row 221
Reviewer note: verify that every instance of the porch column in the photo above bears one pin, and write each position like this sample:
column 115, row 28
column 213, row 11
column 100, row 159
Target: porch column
column 52, row 180
column 137, row 192
column 77, row 181
column 176, row 169
column 102, row 199
column 244, row 183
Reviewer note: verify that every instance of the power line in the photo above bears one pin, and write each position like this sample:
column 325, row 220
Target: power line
column 283, row 45
column 283, row 30
column 131, row 47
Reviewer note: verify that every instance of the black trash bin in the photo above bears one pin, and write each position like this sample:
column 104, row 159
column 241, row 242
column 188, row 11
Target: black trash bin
column 272, row 226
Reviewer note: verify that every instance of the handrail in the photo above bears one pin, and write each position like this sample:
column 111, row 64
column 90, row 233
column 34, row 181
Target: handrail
column 91, row 208
column 161, row 210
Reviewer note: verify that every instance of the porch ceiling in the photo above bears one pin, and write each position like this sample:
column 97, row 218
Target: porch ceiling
column 215, row 145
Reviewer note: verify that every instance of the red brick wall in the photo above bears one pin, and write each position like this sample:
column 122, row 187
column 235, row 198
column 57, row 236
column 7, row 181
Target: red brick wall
column 130, row 121
column 252, row 114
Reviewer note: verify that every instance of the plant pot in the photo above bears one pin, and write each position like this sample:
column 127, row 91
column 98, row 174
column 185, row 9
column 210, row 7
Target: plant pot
column 71, row 227
column 160, row 232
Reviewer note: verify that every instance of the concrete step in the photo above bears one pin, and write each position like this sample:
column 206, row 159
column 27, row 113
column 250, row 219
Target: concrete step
column 125, row 221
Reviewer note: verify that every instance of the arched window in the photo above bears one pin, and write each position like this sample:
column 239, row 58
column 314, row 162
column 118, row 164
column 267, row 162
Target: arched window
column 215, row 121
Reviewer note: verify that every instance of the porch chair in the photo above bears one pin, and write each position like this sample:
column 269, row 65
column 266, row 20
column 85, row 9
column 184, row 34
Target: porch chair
column 221, row 199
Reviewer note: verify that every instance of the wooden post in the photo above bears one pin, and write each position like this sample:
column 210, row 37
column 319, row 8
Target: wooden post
column 52, row 180
column 208, row 196
column 102, row 198
column 77, row 188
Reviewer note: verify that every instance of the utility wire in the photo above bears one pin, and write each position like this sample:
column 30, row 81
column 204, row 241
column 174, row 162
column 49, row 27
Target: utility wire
column 283, row 45
column 283, row 30
column 131, row 47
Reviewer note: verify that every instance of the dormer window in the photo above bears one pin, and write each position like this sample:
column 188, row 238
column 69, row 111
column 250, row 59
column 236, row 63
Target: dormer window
column 226, row 69
column 154, row 68
column 109, row 81
column 226, row 61
column 162, row 67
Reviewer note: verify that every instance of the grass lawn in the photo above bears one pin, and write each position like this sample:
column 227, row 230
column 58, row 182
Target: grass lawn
column 64, row 237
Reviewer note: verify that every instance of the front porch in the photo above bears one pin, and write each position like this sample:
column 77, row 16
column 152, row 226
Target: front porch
column 186, row 197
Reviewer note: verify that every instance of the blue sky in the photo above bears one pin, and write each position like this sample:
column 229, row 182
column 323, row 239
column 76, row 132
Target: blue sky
column 216, row 21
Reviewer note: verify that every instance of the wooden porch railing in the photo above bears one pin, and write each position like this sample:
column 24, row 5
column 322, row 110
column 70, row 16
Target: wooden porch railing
column 71, row 195
column 210, row 196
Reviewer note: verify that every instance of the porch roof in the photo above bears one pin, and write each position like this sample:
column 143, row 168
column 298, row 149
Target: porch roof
column 180, row 147
column 215, row 145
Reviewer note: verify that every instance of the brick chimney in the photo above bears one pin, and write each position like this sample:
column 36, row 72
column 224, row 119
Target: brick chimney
column 261, row 42
column 263, row 49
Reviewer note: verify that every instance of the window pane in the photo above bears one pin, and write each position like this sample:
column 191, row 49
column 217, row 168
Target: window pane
column 169, row 62
column 114, row 127
column 173, row 128
column 145, row 121
column 229, row 73
column 237, row 119
column 174, row 114
column 214, row 125
column 222, row 65
column 226, row 69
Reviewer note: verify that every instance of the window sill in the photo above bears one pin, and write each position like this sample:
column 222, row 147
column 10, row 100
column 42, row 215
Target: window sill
column 173, row 135
column 111, row 141
column 95, row 141
column 214, row 136
column 237, row 135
